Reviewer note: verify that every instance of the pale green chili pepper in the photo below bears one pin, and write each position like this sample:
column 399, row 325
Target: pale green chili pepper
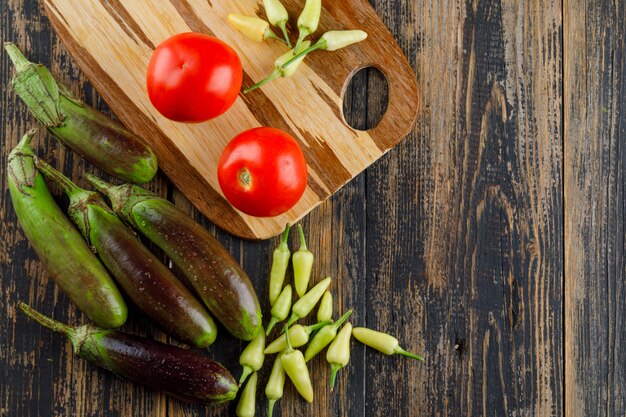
column 298, row 334
column 247, row 402
column 295, row 368
column 275, row 385
column 280, row 309
column 253, row 27
column 280, row 261
column 382, row 342
column 338, row 354
column 252, row 357
column 309, row 19
column 325, row 310
column 331, row 41
column 304, row 305
column 278, row 16
column 302, row 262
column 279, row 70
column 323, row 338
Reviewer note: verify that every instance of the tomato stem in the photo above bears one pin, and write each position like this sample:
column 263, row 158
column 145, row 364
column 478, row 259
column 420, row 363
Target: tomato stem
column 244, row 177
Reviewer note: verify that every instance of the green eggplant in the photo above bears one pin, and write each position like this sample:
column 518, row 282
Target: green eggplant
column 66, row 257
column 184, row 374
column 217, row 278
column 146, row 281
column 91, row 134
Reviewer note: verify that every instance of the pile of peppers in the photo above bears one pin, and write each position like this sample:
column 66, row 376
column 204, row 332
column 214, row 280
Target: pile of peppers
column 290, row 362
column 285, row 66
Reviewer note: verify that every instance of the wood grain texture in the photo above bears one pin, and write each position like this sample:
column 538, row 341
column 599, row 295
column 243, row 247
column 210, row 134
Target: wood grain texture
column 468, row 216
column 595, row 207
column 113, row 42
column 464, row 241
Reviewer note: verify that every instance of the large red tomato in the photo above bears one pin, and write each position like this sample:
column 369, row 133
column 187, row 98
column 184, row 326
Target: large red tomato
column 262, row 172
column 193, row 77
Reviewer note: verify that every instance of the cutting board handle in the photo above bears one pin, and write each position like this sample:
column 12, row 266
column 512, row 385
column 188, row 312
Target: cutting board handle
column 383, row 53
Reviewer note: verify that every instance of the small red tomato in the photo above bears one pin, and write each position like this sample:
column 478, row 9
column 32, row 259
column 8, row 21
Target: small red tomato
column 262, row 172
column 193, row 77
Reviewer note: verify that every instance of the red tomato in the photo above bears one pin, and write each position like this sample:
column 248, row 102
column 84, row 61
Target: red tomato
column 193, row 77
column 262, row 172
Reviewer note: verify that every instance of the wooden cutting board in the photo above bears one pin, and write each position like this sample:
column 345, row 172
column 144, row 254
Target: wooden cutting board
column 112, row 41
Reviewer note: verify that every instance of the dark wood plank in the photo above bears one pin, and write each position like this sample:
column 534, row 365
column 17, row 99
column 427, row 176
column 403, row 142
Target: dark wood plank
column 464, row 231
column 595, row 207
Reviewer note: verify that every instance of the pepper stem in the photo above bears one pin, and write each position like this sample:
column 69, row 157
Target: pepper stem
column 283, row 27
column 271, row 35
column 303, row 34
column 17, row 57
column 45, row 320
column 270, row 325
column 283, row 239
column 321, row 44
column 245, row 374
column 302, row 240
column 267, row 79
column 270, row 407
column 71, row 189
column 334, row 368
column 316, row 326
column 286, row 330
column 408, row 354
column 99, row 184
column 342, row 319
column 294, row 318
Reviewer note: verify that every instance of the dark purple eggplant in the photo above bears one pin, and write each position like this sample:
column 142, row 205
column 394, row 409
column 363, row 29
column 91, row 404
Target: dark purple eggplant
column 217, row 278
column 146, row 281
column 91, row 134
column 184, row 374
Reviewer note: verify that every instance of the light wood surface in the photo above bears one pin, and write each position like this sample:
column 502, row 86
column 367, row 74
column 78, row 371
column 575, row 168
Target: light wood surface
column 112, row 41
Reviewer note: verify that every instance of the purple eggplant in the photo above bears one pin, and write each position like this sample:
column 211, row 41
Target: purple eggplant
column 184, row 374
column 217, row 278
column 146, row 281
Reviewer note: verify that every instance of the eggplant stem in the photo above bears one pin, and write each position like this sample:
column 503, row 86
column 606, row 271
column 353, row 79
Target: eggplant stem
column 61, row 180
column 45, row 320
column 17, row 57
column 99, row 184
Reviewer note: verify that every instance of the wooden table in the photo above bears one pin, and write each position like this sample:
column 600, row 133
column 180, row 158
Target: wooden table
column 491, row 240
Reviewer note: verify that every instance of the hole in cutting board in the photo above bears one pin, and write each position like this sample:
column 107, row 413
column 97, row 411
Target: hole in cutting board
column 365, row 99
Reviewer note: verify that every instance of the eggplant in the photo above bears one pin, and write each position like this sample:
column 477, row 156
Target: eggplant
column 217, row 278
column 184, row 374
column 88, row 132
column 68, row 260
column 146, row 281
